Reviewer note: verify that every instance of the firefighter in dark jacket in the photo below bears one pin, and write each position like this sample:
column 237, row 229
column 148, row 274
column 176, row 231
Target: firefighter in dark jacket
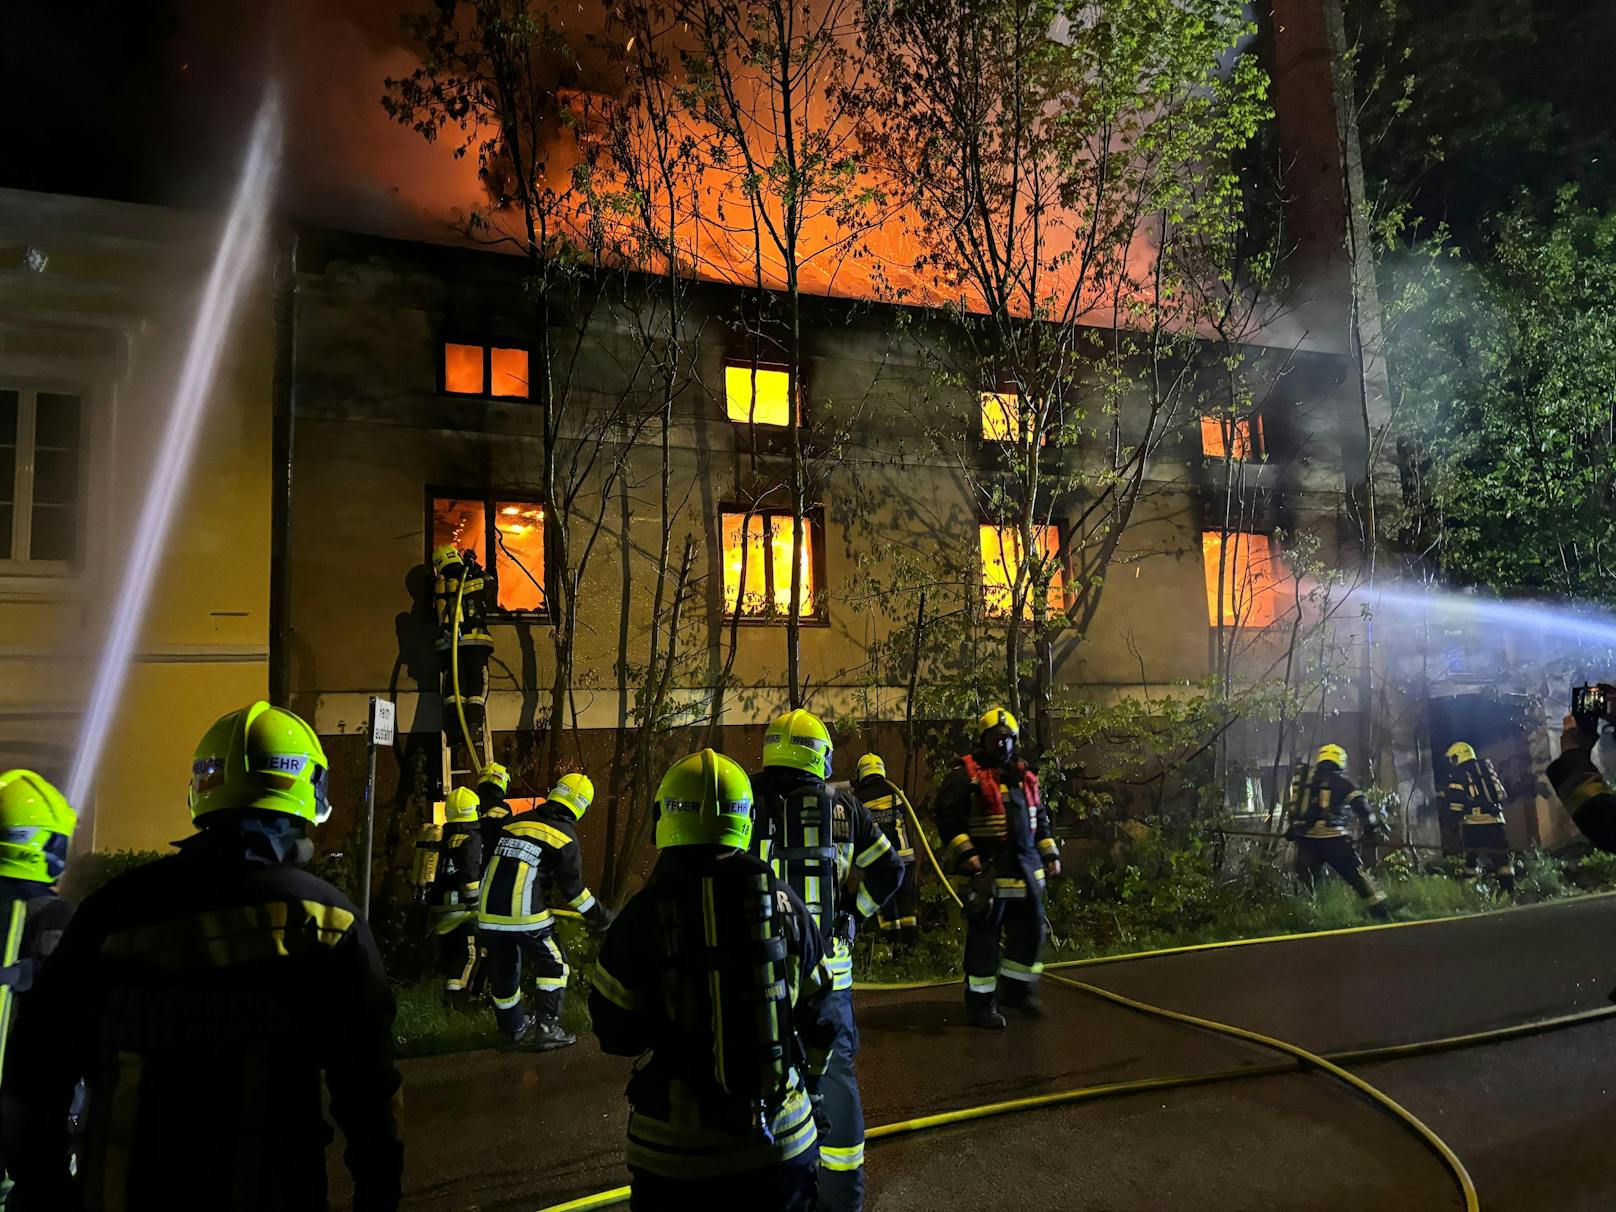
column 537, row 852
column 715, row 975
column 494, row 812
column 1000, row 852
column 36, row 824
column 890, row 810
column 202, row 998
column 1581, row 788
column 454, row 890
column 467, row 596
column 1477, row 793
column 823, row 843
column 1319, row 828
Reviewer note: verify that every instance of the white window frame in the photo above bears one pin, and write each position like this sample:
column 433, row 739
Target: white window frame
column 18, row 563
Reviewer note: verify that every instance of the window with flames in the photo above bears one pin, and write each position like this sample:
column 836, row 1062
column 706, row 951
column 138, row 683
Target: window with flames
column 1239, row 438
column 1257, row 587
column 757, row 564
column 513, row 528
column 1002, row 558
column 758, row 395
column 485, row 370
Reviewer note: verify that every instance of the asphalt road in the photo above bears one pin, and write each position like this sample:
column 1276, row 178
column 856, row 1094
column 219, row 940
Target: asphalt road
column 1532, row 1118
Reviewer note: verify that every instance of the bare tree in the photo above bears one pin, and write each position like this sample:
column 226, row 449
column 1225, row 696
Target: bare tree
column 1052, row 160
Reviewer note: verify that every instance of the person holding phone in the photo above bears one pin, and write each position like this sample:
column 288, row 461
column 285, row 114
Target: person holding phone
column 1575, row 778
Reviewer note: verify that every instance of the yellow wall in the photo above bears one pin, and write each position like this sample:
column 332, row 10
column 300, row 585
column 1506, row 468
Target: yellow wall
column 108, row 317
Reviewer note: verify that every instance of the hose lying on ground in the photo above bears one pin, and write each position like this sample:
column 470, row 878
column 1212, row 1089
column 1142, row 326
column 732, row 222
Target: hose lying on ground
column 1435, row 1143
column 606, row 1199
column 1128, row 956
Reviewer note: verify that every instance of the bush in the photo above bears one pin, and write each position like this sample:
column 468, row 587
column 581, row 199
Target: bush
column 90, row 872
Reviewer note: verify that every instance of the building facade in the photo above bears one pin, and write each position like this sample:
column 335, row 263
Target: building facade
column 96, row 303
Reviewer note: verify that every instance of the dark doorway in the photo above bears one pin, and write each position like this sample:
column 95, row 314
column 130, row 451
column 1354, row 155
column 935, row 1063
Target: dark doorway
column 1497, row 727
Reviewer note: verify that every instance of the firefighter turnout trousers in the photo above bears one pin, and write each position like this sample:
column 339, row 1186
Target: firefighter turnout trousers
column 1013, row 976
column 1486, row 846
column 456, row 934
column 897, row 918
column 506, row 955
column 790, row 1187
column 1341, row 856
column 841, row 1146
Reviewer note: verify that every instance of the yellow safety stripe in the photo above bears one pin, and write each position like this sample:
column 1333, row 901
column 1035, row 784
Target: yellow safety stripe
column 1046, row 845
column 235, row 934
column 1585, row 787
column 509, row 1003
column 982, row 984
column 13, row 951
column 715, row 988
column 873, row 851
column 549, row 835
column 516, row 922
column 446, row 919
column 864, row 902
column 120, row 1139
column 839, row 966
column 960, row 844
column 614, row 991
column 691, row 1151
column 837, row 1157
column 583, row 902
column 1019, row 972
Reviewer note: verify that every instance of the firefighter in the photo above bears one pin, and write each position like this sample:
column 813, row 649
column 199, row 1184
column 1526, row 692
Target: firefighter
column 1000, row 853
column 467, row 596
column 715, row 974
column 450, row 874
column 36, row 824
column 535, row 853
column 1581, row 788
column 494, row 813
column 1476, row 791
column 202, row 998
column 890, row 810
column 823, row 843
column 1319, row 828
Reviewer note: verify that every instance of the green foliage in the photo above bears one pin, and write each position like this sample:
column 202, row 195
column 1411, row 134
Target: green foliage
column 87, row 873
column 1507, row 370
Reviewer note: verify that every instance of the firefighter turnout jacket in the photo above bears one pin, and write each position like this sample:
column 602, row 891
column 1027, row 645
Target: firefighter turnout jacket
column 1475, row 789
column 815, row 837
column 1586, row 796
column 34, row 918
column 717, row 970
column 477, row 602
column 456, row 886
column 889, row 809
column 202, row 998
column 1329, row 802
column 534, row 854
column 999, row 817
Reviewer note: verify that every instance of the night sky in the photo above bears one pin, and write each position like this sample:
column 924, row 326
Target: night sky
column 146, row 100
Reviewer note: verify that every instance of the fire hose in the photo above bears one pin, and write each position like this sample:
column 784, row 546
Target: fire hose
column 1300, row 1061
column 454, row 677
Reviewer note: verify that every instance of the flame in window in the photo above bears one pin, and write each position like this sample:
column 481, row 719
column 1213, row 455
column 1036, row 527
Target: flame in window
column 1255, row 579
column 463, row 369
column 767, row 549
column 1240, row 435
column 1002, row 420
column 1001, row 562
column 769, row 404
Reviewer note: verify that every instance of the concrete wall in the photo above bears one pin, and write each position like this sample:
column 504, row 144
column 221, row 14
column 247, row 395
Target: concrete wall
column 105, row 318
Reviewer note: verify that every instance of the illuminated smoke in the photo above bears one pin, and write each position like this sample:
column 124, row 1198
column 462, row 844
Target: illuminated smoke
column 232, row 268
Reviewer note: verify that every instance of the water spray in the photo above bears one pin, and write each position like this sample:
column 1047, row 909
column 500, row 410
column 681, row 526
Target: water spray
column 1571, row 620
column 233, row 265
